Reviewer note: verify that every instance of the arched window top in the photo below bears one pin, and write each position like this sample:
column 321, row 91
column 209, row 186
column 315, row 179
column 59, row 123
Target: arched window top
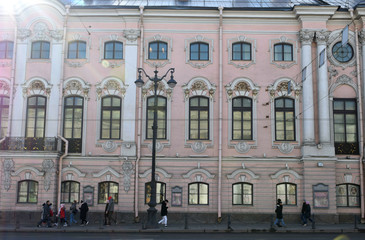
column 157, row 50
column 283, row 52
column 113, row 50
column 241, row 51
column 199, row 51
column 40, row 50
column 6, row 49
column 199, row 101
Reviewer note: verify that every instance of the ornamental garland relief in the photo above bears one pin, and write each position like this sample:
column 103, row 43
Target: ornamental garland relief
column 127, row 171
column 8, row 168
column 48, row 168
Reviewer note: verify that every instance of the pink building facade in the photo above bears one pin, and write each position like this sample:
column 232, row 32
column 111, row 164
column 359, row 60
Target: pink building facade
column 268, row 104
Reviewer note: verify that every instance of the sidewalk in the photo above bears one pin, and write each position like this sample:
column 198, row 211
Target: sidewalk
column 138, row 227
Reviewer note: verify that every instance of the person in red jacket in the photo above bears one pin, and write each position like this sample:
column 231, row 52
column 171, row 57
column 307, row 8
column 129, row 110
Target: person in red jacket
column 62, row 215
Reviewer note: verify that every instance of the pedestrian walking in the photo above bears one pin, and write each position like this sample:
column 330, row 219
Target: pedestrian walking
column 46, row 215
column 106, row 212
column 164, row 208
column 110, row 211
column 279, row 214
column 73, row 212
column 62, row 215
column 306, row 213
column 83, row 213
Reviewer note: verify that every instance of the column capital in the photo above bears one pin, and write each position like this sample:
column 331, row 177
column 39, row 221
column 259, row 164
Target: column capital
column 322, row 36
column 306, row 36
column 131, row 35
column 362, row 37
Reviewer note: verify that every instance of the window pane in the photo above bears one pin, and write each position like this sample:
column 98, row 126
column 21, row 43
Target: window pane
column 237, row 199
column 107, row 102
column 237, row 189
column 280, row 189
column 338, row 105
column 194, row 102
column 204, row 102
column 350, row 105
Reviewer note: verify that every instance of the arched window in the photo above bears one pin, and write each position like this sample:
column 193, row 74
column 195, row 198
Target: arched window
column 242, row 194
column 107, row 189
column 27, row 191
column 345, row 126
column 283, row 52
column 72, row 122
column 40, row 50
column 160, row 192
column 287, row 192
column 348, row 195
column 6, row 49
column 77, row 50
column 36, row 117
column 198, row 193
column 199, row 51
column 70, row 191
column 199, row 118
column 4, row 115
column 157, row 50
column 110, row 117
column 284, row 119
column 241, row 51
column 242, row 118
column 113, row 50
column 161, row 117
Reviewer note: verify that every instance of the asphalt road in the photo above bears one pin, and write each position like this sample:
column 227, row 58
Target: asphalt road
column 178, row 236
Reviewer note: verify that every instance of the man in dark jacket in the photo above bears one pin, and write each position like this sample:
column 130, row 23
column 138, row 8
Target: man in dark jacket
column 164, row 208
column 83, row 213
column 110, row 211
column 279, row 214
column 306, row 213
column 46, row 214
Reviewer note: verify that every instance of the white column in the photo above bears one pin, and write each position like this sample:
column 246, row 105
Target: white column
column 18, row 114
column 306, row 38
column 129, row 111
column 362, row 41
column 53, row 100
column 322, row 83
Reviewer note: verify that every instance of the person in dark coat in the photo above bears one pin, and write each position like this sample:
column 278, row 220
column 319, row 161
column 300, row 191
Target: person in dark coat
column 46, row 214
column 306, row 213
column 83, row 213
column 164, row 208
column 110, row 211
column 279, row 214
column 106, row 213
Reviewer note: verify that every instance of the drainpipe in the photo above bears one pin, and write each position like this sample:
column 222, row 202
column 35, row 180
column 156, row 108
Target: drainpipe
column 60, row 171
column 360, row 120
column 220, row 113
column 60, row 109
column 139, row 124
column 12, row 82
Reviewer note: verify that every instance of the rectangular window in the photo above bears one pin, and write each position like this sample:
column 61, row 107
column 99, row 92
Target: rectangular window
column 284, row 119
column 40, row 50
column 199, row 118
column 110, row 118
column 242, row 118
column 198, row 194
column 345, row 126
column 161, row 117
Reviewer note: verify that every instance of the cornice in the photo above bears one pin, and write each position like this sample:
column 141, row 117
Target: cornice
column 324, row 11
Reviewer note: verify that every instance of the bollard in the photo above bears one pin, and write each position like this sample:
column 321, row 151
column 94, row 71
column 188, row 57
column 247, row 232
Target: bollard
column 143, row 224
column 355, row 222
column 186, row 221
column 229, row 222
column 313, row 222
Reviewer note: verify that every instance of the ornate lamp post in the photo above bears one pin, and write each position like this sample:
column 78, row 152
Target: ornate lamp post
column 152, row 221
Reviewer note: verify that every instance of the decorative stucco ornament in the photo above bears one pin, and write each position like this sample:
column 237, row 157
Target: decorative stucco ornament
column 199, row 147
column 159, row 146
column 286, row 148
column 127, row 170
column 8, row 167
column 48, row 168
column 242, row 147
column 109, row 146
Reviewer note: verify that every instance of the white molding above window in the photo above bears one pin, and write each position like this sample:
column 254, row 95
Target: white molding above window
column 78, row 62
column 199, row 63
column 36, row 86
column 4, row 87
column 156, row 62
column 199, row 86
column 284, row 64
column 76, row 86
column 242, row 64
column 280, row 89
column 242, row 87
column 110, row 63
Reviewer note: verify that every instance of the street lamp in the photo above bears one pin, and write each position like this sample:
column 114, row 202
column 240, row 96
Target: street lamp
column 152, row 221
